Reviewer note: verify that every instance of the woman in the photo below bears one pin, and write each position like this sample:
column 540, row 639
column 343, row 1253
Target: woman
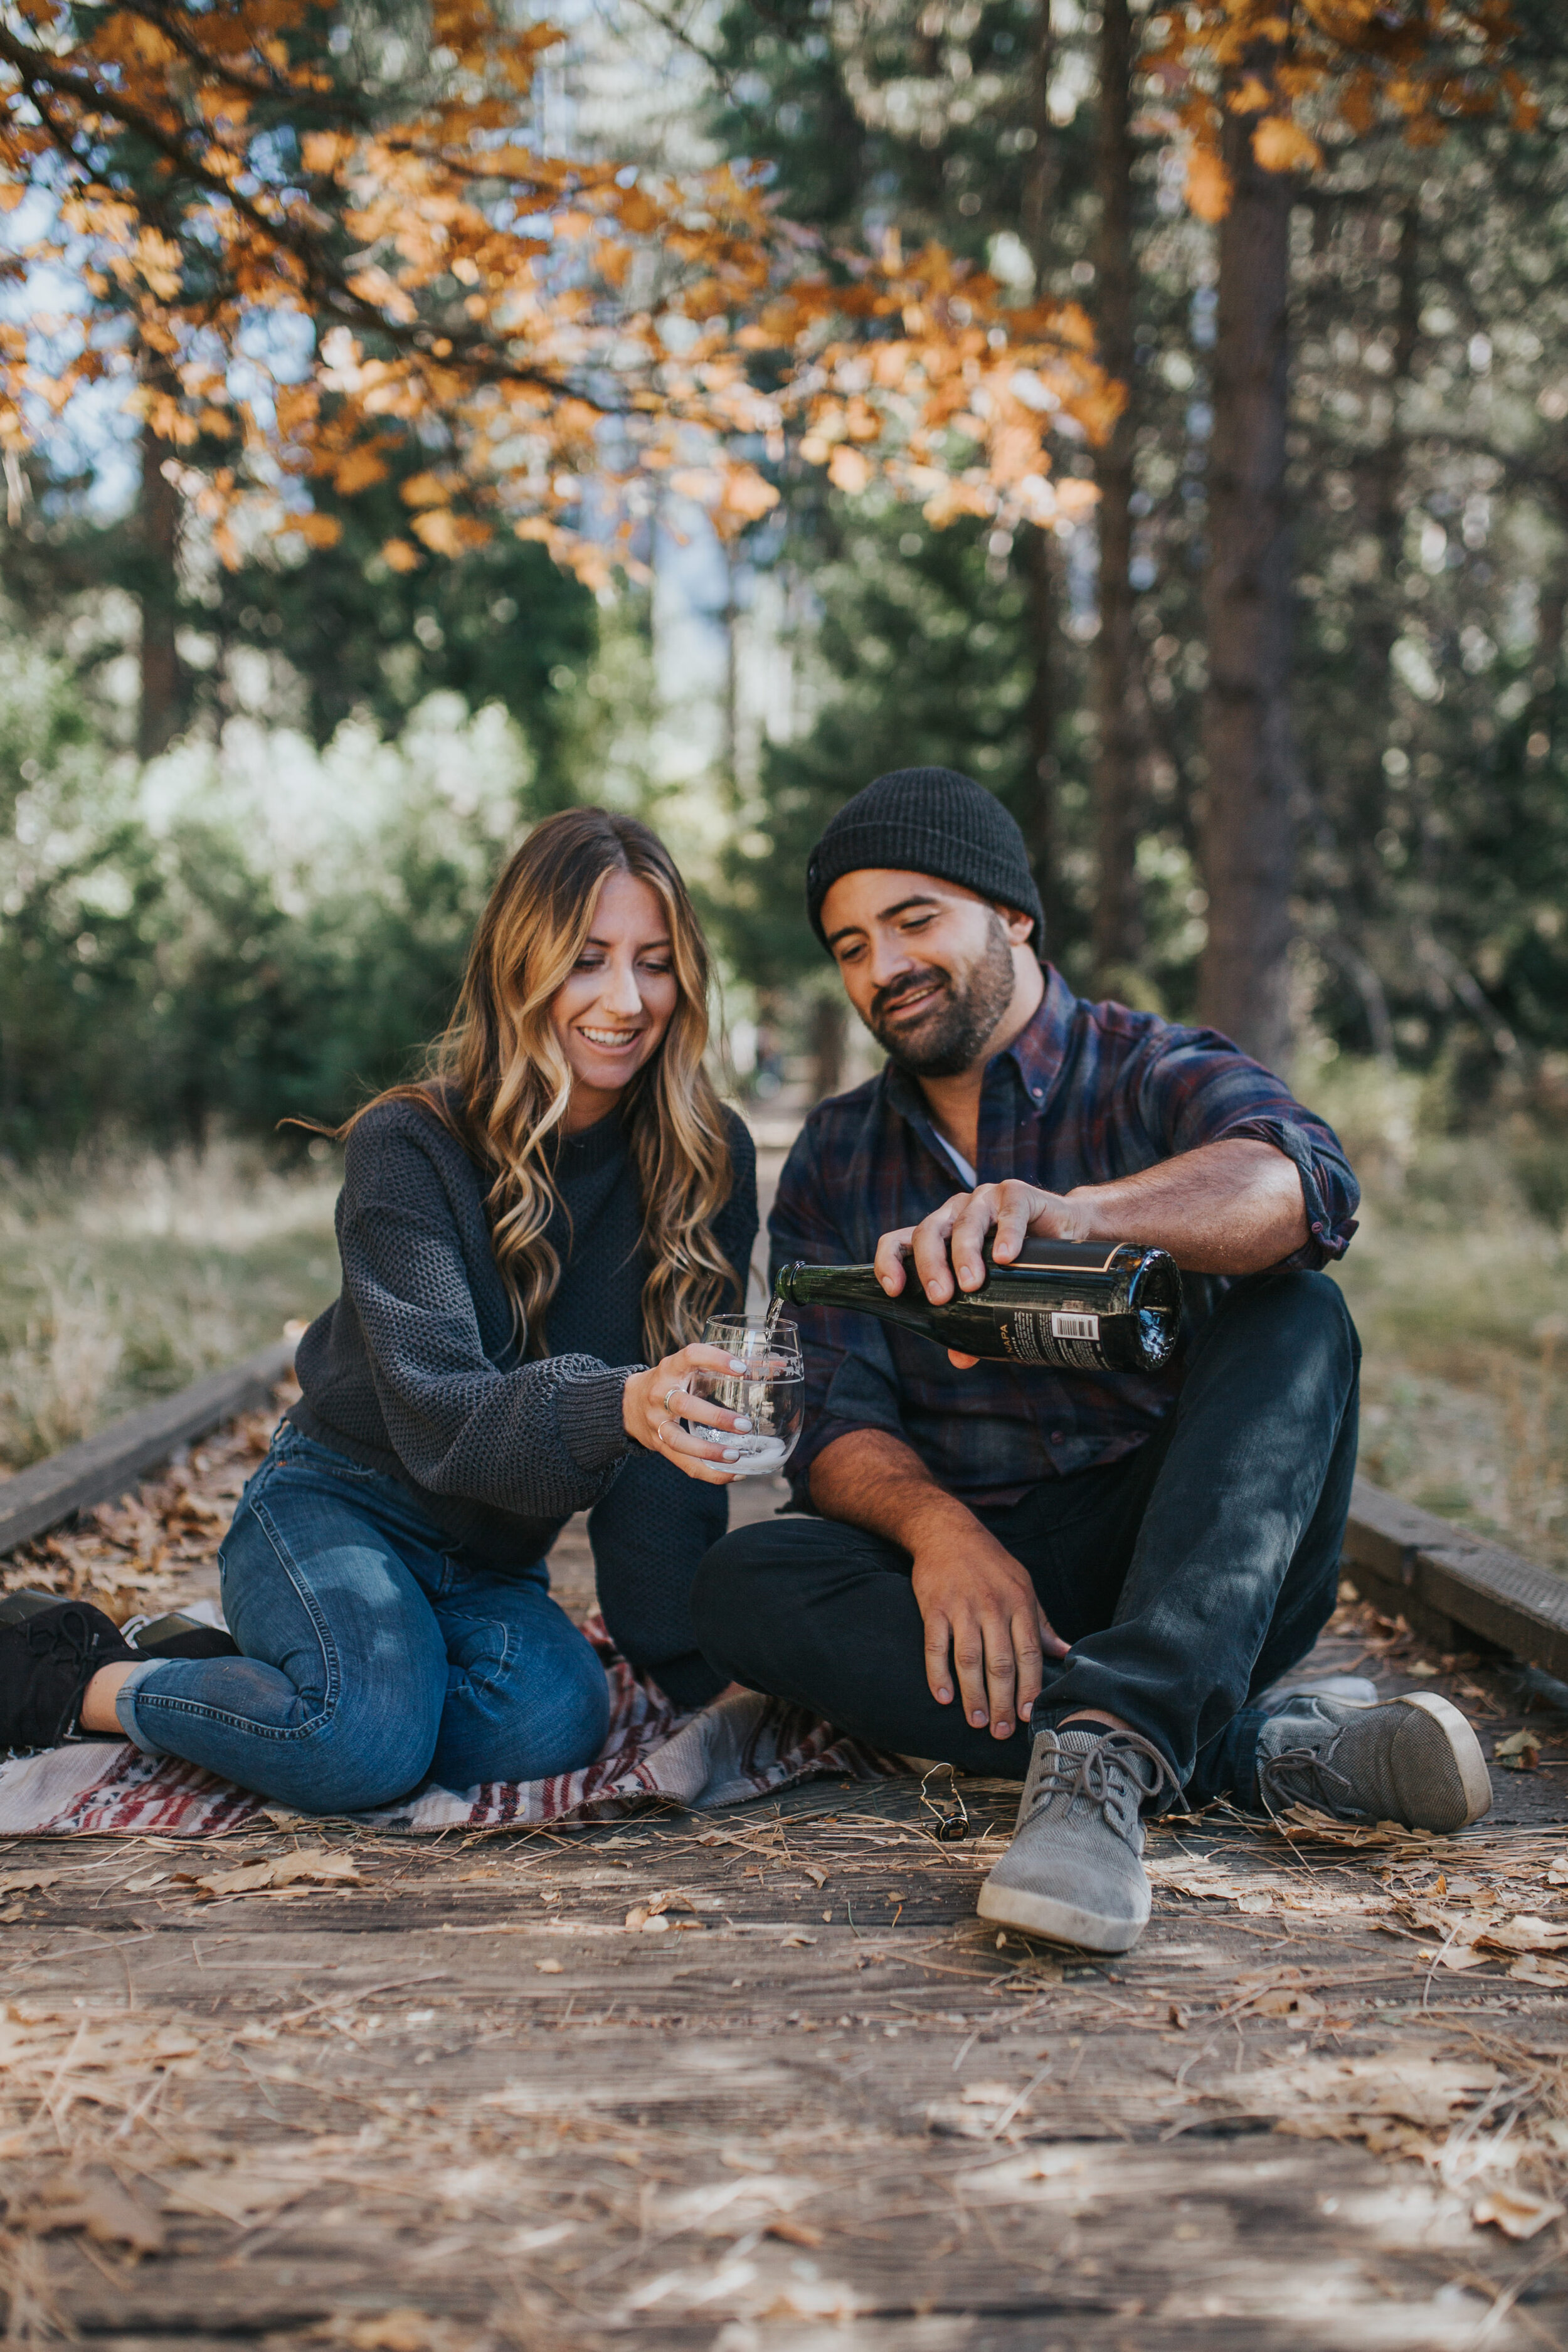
column 556, row 1207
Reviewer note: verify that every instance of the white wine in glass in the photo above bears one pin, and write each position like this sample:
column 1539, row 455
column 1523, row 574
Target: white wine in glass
column 770, row 1389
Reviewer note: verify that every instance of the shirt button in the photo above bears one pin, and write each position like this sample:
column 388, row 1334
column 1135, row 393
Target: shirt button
column 1058, row 1436
column 1036, row 1092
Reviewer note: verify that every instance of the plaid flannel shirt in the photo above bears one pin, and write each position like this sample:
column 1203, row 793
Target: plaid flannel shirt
column 1086, row 1094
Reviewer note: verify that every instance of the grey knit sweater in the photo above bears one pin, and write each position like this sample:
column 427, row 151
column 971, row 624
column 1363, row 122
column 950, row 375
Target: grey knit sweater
column 412, row 1369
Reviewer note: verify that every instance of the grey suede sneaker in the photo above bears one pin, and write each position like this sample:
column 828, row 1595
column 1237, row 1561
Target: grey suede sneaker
column 1414, row 1761
column 1074, row 1871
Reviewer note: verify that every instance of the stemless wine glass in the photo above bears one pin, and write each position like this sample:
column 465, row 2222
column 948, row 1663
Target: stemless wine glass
column 770, row 1389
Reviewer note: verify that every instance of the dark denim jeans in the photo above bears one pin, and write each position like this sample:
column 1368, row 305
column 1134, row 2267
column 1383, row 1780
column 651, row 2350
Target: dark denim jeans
column 1187, row 1575
column 377, row 1655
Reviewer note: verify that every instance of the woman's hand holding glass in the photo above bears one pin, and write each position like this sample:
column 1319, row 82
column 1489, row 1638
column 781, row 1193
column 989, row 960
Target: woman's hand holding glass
column 763, row 1385
column 655, row 1404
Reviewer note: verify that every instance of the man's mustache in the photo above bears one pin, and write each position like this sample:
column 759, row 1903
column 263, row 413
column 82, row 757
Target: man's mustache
column 888, row 1000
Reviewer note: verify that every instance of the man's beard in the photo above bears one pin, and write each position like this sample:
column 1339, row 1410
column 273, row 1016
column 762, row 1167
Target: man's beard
column 949, row 1036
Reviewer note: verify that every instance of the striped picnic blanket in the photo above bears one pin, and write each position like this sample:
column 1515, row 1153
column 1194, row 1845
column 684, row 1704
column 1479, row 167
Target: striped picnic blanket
column 745, row 1747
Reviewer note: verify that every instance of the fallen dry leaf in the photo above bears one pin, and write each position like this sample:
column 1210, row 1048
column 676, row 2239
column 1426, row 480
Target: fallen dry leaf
column 793, row 2233
column 1515, row 2211
column 549, row 1967
column 28, row 1882
column 1285, row 2000
column 1332, row 2098
column 1520, row 1752
column 1258, row 1892
column 94, row 2202
column 652, row 1914
column 311, row 1863
column 1530, row 1969
column 242, row 2197
column 1525, row 1932
column 394, row 2331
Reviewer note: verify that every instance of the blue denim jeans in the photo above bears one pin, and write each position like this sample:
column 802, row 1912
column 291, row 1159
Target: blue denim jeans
column 377, row 1655
column 1187, row 1575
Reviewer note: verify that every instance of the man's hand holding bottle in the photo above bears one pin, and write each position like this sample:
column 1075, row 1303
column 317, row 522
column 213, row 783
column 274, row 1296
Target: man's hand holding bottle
column 951, row 1240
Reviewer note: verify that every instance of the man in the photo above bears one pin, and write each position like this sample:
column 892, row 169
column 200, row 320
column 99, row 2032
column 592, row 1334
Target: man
column 1088, row 1580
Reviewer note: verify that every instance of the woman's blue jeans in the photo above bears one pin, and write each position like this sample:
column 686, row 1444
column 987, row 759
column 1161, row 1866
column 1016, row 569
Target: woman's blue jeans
column 377, row 1654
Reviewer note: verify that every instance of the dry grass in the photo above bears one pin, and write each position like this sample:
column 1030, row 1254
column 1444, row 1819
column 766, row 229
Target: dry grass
column 126, row 1277
column 1459, row 1286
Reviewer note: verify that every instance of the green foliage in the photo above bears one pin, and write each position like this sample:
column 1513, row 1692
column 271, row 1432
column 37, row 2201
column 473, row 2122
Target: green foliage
column 323, row 636
column 903, row 115
column 244, row 934
column 501, row 624
column 923, row 655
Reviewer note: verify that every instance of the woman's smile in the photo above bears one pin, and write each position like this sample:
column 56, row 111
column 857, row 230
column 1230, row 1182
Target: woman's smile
column 611, row 1040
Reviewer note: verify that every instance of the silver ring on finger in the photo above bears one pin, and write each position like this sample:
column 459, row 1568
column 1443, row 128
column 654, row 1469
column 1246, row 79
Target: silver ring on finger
column 670, row 1392
column 659, row 1437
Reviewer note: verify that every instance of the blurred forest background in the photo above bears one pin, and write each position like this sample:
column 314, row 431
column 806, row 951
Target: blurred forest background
column 247, row 815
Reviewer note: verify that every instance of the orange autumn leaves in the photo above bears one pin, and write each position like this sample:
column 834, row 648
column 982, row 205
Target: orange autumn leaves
column 311, row 269
column 1300, row 67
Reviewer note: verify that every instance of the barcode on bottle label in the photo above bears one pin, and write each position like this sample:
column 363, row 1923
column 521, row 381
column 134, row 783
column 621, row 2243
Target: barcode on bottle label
column 1075, row 1326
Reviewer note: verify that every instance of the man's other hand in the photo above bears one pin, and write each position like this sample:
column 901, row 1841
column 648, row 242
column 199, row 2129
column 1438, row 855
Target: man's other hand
column 986, row 1632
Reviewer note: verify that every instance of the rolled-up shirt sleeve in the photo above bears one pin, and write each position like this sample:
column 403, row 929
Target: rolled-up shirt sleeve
column 1196, row 1087
column 850, row 1379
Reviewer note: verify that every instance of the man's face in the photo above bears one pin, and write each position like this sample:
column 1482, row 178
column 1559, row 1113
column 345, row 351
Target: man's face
column 929, row 967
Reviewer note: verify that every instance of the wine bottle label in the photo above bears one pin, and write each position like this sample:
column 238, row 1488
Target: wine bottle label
column 1075, row 1326
column 1035, row 1339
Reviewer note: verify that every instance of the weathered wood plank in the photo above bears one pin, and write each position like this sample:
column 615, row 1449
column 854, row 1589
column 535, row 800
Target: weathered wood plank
column 102, row 1468
column 1441, row 1576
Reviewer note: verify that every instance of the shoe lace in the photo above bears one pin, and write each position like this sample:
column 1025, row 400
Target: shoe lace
column 1106, row 1775
column 1303, row 1775
column 72, row 1631
column 72, row 1634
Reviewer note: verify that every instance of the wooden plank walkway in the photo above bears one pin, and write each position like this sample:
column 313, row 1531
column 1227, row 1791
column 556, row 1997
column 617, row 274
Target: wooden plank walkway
column 454, row 2101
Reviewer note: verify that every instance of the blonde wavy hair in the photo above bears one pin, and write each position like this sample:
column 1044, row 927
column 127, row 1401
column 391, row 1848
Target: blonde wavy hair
column 498, row 1081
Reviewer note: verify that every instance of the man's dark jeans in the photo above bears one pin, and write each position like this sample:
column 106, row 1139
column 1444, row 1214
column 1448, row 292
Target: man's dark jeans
column 1187, row 1575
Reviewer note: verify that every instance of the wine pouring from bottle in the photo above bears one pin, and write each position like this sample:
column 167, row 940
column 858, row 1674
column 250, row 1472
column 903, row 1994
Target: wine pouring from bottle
column 1112, row 1306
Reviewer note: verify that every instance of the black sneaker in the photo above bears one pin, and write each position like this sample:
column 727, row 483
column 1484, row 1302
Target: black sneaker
column 24, row 1603
column 175, row 1635
column 46, row 1664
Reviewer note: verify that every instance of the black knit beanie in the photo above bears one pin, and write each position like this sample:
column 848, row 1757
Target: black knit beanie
column 928, row 821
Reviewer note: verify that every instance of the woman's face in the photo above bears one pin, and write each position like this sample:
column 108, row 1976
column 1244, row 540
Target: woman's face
column 613, row 1010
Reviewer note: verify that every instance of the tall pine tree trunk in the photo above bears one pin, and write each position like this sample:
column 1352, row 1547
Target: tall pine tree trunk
column 1118, row 935
column 158, row 559
column 1041, row 827
column 1247, row 844
column 1041, row 571
column 1367, row 800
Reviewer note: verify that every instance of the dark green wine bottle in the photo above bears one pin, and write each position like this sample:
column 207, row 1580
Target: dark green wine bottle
column 1107, row 1307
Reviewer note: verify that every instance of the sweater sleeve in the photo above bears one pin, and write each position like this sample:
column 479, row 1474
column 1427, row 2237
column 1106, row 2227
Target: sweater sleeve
column 543, row 1439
